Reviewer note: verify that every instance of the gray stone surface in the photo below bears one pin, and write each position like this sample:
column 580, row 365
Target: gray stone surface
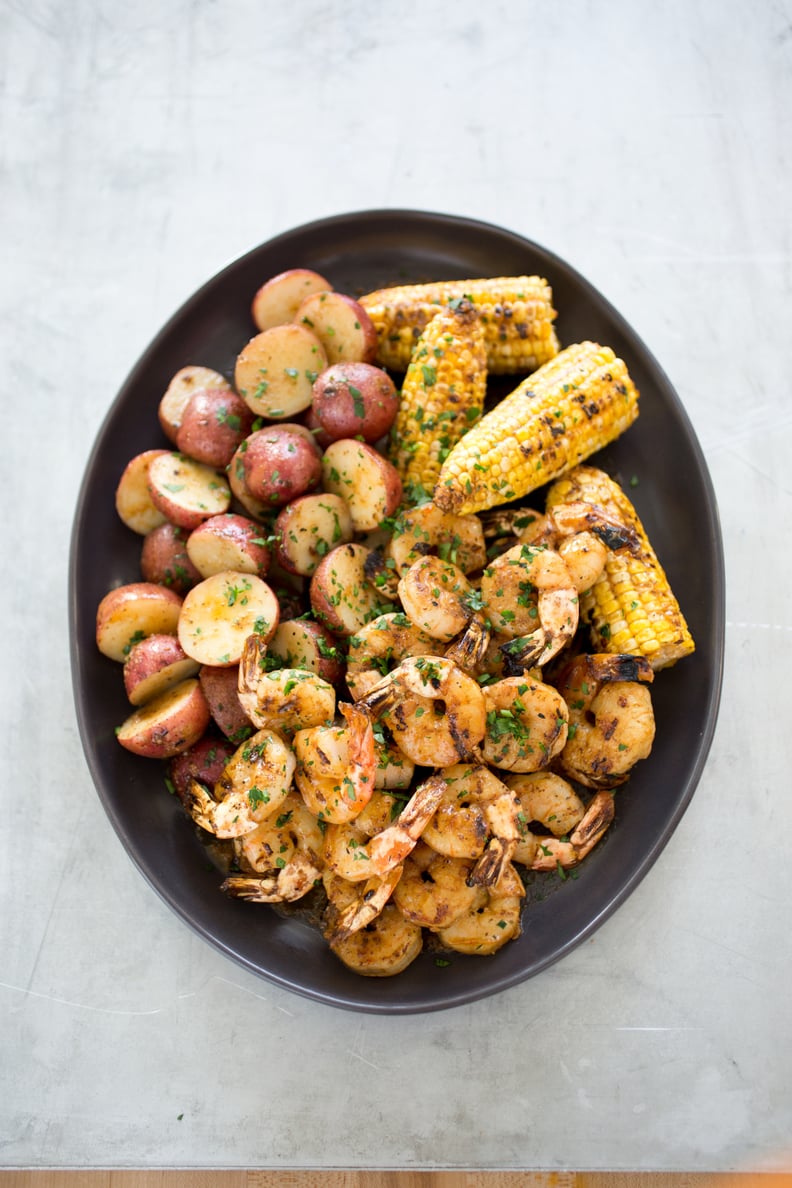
column 143, row 147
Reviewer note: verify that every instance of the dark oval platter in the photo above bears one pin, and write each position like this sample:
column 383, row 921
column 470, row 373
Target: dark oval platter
column 673, row 495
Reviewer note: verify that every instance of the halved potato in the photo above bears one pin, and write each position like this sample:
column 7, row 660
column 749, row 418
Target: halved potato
column 187, row 492
column 341, row 596
column 164, row 560
column 275, row 372
column 155, row 664
column 182, row 387
column 221, row 612
column 129, row 613
column 133, row 498
column 342, row 326
column 229, row 542
column 168, row 724
column 368, row 482
column 278, row 300
column 299, row 643
column 308, row 528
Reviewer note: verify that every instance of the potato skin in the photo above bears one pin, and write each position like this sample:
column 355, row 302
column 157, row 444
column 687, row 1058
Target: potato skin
column 204, row 761
column 235, row 535
column 154, row 664
column 213, row 424
column 355, row 400
column 219, row 687
column 164, row 559
column 128, row 613
column 167, row 725
column 279, row 465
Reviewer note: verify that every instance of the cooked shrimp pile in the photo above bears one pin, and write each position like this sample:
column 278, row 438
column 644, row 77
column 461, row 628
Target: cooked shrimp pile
column 455, row 764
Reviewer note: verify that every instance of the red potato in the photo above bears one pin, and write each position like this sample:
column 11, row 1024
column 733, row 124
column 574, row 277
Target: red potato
column 168, row 724
column 180, row 390
column 342, row 326
column 220, row 690
column 153, row 665
column 275, row 372
column 355, row 400
column 308, row 528
column 204, row 761
column 341, row 596
column 368, row 482
column 214, row 422
column 278, row 300
column 303, row 430
column 299, row 643
column 133, row 500
column 228, row 542
column 164, row 560
column 314, row 427
column 279, row 465
column 129, row 613
column 291, row 590
column 187, row 492
column 235, row 473
column 221, row 612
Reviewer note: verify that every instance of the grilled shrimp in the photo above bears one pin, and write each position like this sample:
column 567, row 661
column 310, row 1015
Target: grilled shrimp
column 434, row 890
column 554, row 852
column 382, row 948
column 529, row 595
column 492, row 920
column 379, row 646
column 288, row 699
column 337, row 766
column 252, row 788
column 478, row 818
column 426, row 530
column 436, row 597
column 434, row 711
column 352, row 906
column 526, row 725
column 611, row 720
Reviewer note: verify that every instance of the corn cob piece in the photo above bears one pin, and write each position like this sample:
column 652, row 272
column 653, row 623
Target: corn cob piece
column 441, row 398
column 573, row 405
column 631, row 608
column 516, row 312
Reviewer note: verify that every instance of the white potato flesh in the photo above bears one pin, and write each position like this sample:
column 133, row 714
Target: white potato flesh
column 133, row 498
column 221, row 612
column 187, row 492
column 278, row 300
column 341, row 596
column 308, row 528
column 182, row 387
column 156, row 664
column 368, row 483
column 275, row 372
column 228, row 542
column 132, row 612
column 168, row 724
column 300, row 644
column 342, row 326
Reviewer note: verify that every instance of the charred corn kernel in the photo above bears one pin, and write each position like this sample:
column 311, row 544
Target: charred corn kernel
column 573, row 405
column 631, row 608
column 516, row 313
column 441, row 398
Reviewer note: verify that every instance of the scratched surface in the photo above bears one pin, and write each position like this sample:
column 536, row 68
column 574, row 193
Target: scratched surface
column 143, row 147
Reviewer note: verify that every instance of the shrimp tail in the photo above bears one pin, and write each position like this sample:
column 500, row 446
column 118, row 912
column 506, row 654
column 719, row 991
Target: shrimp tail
column 489, row 867
column 200, row 805
column 379, row 699
column 523, row 653
column 358, row 914
column 292, row 882
column 595, row 821
column 468, row 649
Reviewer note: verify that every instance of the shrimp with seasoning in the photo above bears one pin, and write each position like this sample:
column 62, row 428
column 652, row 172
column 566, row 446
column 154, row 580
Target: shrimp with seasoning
column 426, row 530
column 434, row 710
column 548, row 799
column 526, row 724
column 529, row 595
column 558, row 853
column 283, row 855
column 611, row 720
column 337, row 766
column 287, row 699
column 434, row 889
column 436, row 597
column 382, row 948
column 380, row 646
column 252, row 788
column 492, row 920
column 477, row 818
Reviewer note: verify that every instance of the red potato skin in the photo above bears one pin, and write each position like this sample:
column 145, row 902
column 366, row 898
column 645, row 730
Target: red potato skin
column 219, row 687
column 205, row 761
column 314, row 425
column 279, row 465
column 170, row 738
column 214, row 422
column 164, row 559
column 239, row 530
column 355, row 399
column 114, row 600
column 331, row 668
column 151, row 655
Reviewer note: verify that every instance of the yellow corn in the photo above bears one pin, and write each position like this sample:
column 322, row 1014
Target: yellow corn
column 573, row 405
column 516, row 312
column 631, row 608
column 441, row 398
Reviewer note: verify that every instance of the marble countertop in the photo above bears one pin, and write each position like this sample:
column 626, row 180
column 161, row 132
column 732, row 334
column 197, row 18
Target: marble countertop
column 146, row 146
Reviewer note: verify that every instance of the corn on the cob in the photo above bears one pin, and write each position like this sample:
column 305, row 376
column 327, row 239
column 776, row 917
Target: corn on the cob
column 516, row 312
column 442, row 396
column 631, row 608
column 573, row 405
